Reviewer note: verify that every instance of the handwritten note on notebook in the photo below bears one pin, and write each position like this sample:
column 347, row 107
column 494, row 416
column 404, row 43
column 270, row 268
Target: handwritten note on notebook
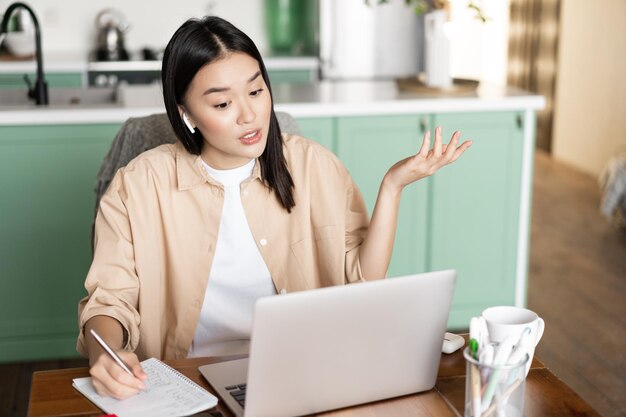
column 168, row 394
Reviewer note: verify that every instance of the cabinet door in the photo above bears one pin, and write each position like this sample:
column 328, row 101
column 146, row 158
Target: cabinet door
column 54, row 80
column 47, row 179
column 319, row 129
column 369, row 146
column 298, row 76
column 474, row 212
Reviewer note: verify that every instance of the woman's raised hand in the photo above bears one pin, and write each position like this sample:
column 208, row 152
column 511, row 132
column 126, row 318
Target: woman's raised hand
column 427, row 161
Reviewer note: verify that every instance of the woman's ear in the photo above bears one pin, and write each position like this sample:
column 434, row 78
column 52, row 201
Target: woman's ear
column 186, row 120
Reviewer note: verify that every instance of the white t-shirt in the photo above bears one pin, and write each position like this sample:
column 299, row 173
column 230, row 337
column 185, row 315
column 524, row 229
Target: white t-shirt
column 237, row 279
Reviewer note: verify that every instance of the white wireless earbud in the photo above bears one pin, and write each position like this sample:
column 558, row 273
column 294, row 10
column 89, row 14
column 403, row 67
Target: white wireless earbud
column 188, row 123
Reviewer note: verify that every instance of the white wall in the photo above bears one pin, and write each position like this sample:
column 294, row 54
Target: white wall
column 479, row 51
column 590, row 105
column 68, row 25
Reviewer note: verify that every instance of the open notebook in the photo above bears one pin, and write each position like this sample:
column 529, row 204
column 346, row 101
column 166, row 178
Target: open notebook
column 168, row 394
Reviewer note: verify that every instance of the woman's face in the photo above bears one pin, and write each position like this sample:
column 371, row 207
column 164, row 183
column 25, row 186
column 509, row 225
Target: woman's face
column 230, row 104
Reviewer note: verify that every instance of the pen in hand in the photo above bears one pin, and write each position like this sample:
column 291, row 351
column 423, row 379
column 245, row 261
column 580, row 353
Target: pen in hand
column 111, row 353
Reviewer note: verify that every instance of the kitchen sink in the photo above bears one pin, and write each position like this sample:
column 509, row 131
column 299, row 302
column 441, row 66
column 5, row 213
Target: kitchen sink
column 63, row 97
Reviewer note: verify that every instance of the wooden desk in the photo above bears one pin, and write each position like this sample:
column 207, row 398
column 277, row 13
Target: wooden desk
column 546, row 395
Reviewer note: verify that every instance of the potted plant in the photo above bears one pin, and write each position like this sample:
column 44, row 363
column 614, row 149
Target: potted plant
column 424, row 6
column 436, row 41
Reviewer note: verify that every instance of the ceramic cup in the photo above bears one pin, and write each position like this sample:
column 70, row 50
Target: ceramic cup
column 503, row 321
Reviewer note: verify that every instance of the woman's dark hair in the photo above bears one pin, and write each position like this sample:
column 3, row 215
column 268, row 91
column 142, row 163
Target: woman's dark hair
column 195, row 44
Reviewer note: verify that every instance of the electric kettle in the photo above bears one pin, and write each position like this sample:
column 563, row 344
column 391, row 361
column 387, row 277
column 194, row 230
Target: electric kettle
column 111, row 27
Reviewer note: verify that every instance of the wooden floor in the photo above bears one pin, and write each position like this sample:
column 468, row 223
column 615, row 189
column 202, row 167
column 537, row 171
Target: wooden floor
column 577, row 283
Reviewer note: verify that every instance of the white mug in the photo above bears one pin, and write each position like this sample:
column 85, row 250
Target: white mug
column 505, row 321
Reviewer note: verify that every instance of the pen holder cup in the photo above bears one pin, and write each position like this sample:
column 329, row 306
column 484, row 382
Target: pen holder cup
column 494, row 390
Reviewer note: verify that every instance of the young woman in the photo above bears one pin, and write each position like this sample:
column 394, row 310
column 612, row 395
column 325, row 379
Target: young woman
column 189, row 235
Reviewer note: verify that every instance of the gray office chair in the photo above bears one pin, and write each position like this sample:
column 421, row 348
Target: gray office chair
column 138, row 134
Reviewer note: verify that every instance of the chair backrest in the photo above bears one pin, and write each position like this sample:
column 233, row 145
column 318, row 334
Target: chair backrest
column 139, row 134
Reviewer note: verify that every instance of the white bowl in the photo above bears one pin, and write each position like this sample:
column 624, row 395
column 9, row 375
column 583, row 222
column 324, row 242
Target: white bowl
column 20, row 44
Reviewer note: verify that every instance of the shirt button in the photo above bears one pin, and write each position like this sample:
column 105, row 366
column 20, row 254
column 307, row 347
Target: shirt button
column 283, row 291
column 263, row 242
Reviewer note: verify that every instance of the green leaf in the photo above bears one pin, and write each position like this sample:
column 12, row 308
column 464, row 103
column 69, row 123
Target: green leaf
column 479, row 13
column 419, row 6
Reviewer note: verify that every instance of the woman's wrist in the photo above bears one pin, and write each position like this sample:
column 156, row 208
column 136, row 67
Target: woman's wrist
column 389, row 187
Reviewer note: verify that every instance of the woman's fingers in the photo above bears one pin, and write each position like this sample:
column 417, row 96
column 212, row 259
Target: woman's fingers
column 127, row 379
column 439, row 149
column 425, row 145
column 110, row 379
column 459, row 151
column 427, row 161
column 437, row 144
column 139, row 372
column 133, row 362
column 114, row 384
column 100, row 388
column 449, row 149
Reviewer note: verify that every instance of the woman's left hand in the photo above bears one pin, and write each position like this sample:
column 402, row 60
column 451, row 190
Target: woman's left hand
column 427, row 161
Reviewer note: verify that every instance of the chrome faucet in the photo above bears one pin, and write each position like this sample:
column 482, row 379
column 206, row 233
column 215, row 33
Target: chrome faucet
column 40, row 90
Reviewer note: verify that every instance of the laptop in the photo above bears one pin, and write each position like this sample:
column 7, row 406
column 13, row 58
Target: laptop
column 335, row 347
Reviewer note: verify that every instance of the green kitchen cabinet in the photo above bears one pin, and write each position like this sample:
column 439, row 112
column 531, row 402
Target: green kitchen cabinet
column 77, row 79
column 319, row 129
column 54, row 80
column 298, row 76
column 369, row 146
column 465, row 217
column 47, row 177
column 474, row 214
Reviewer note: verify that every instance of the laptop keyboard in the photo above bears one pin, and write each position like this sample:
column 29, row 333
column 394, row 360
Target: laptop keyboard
column 238, row 392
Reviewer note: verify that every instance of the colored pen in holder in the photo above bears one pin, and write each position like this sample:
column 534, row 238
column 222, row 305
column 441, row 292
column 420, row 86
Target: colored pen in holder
column 495, row 388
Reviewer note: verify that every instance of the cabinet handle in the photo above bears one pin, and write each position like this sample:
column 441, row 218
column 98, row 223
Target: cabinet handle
column 423, row 125
column 520, row 121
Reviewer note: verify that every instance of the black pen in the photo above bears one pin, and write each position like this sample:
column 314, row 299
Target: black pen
column 111, row 353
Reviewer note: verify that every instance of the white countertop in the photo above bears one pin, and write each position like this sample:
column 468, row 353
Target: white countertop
column 359, row 98
column 72, row 62
column 322, row 99
column 53, row 62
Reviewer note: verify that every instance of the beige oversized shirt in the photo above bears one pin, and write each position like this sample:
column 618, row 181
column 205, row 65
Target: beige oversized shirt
column 157, row 228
